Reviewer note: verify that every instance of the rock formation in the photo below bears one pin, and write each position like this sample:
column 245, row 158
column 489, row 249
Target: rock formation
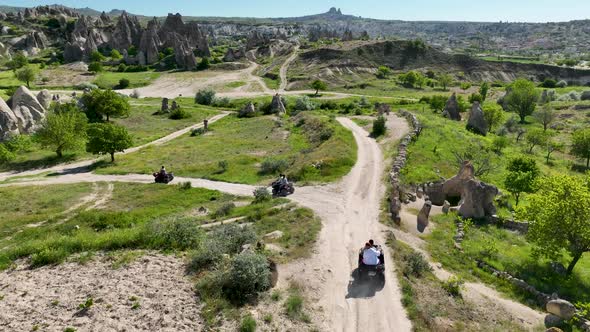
column 27, row 110
column 165, row 108
column 150, row 42
column 277, row 106
column 175, row 31
column 347, row 36
column 477, row 123
column 233, row 55
column 422, row 221
column 127, row 32
column 44, row 97
column 8, row 121
column 248, row 111
column 561, row 308
column 452, row 108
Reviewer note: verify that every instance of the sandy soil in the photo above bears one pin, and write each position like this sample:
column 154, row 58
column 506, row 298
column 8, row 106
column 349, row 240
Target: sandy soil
column 49, row 297
column 285, row 68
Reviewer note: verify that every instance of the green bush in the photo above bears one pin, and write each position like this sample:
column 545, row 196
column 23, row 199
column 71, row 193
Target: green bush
column 294, row 306
column 453, row 286
column 95, row 67
column 261, row 194
column 273, row 166
column 198, row 131
column 248, row 324
column 205, row 97
column 5, row 154
column 304, row 104
column 379, row 127
column 233, row 237
column 222, row 102
column 123, row 83
column 248, row 276
column 416, row 265
column 500, row 143
column 549, row 83
column 48, row 256
column 224, row 210
column 179, row 114
column 19, row 143
column 175, row 234
column 206, row 256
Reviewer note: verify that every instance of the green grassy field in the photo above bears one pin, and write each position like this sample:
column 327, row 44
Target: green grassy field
column 244, row 144
column 109, row 80
column 506, row 251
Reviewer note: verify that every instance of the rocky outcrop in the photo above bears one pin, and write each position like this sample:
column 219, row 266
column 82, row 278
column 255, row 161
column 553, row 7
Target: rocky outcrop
column 477, row 122
column 347, row 36
column 127, row 32
column 561, row 308
column 248, row 111
column 150, row 42
column 452, row 109
column 190, row 34
column 73, row 52
column 27, row 110
column 277, row 106
column 256, row 39
column 233, row 55
column 8, row 122
column 36, row 39
column 44, row 98
column 185, row 59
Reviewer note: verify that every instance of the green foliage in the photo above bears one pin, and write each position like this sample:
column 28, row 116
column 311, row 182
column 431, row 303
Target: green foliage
column 522, row 175
column 445, row 80
column 319, row 85
column 581, row 145
column 273, row 166
column 248, row 324
column 545, row 116
column 536, row 137
column 248, row 275
column 69, row 329
column 5, row 154
column 205, row 97
column 204, row 64
column 124, row 83
column 500, row 143
column 116, row 55
column 26, row 75
column 475, row 97
column 18, row 61
column 453, row 286
column 383, row 72
column 63, row 129
column 108, row 138
column 86, row 305
column 179, row 114
column 549, row 83
column 95, row 67
column 493, row 114
column 415, row 265
column 96, row 56
column 233, row 237
column 522, row 98
column 294, row 306
column 558, row 214
column 132, row 50
column 224, row 210
column 173, row 234
column 303, row 103
column 379, row 126
column 104, row 103
column 412, row 79
column 261, row 194
column 483, row 90
column 465, row 86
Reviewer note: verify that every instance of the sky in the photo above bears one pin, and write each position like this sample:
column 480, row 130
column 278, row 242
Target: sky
column 411, row 10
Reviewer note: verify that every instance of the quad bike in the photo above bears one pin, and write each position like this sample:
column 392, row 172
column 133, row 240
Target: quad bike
column 282, row 191
column 372, row 272
column 163, row 179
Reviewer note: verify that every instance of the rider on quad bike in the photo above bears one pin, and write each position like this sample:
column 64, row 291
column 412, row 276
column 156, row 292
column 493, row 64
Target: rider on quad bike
column 282, row 187
column 162, row 176
column 371, row 261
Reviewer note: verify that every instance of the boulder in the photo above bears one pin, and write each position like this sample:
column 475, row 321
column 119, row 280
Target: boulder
column 423, row 216
column 478, row 200
column 477, row 122
column 248, row 111
column 44, row 98
column 164, row 108
column 277, row 105
column 73, row 52
column 452, row 108
column 274, row 235
column 8, row 121
column 453, row 187
column 553, row 321
column 446, row 207
column 561, row 308
column 554, row 329
column 27, row 109
column 435, row 193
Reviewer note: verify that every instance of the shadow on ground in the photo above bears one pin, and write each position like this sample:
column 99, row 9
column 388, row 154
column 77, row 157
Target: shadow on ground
column 359, row 289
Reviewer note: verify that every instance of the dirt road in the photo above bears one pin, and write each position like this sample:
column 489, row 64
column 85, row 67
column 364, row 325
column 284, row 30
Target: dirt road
column 285, row 68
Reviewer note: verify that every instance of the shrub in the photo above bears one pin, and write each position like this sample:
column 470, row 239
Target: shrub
column 304, row 104
column 18, row 143
column 248, row 324
column 453, row 286
column 273, row 166
column 364, row 102
column 222, row 102
column 294, row 306
column 328, row 105
column 122, row 68
column 205, row 97
column 95, row 67
column 248, row 276
column 179, row 114
column 135, row 94
column 123, row 83
column 561, row 84
column 5, row 154
column 174, row 234
column 379, row 126
column 206, row 256
column 222, row 165
column 465, row 86
column 198, row 131
column 500, row 143
column 261, row 194
column 416, row 265
column 224, row 210
column 86, row 85
column 549, row 83
column 475, row 97
column 585, row 95
column 185, row 185
column 233, row 237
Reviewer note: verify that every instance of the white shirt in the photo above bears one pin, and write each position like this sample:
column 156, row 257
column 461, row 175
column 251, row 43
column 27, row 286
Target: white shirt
column 371, row 256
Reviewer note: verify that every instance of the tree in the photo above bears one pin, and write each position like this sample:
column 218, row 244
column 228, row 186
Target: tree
column 96, row 56
column 551, row 146
column 558, row 214
column 437, row 103
column 205, row 97
column 545, row 116
column 522, row 98
column 475, row 97
column 318, row 86
column 479, row 156
column 379, row 127
column 521, row 177
column 26, row 74
column 64, row 128
column 104, row 103
column 18, row 61
column 483, row 90
column 116, row 55
column 95, row 67
column 493, row 114
column 445, row 80
column 581, row 145
column 204, row 64
column 409, row 79
column 536, row 137
column 107, row 138
column 383, row 72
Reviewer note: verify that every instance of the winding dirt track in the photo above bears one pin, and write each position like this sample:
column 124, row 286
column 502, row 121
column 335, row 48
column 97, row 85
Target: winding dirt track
column 285, row 68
